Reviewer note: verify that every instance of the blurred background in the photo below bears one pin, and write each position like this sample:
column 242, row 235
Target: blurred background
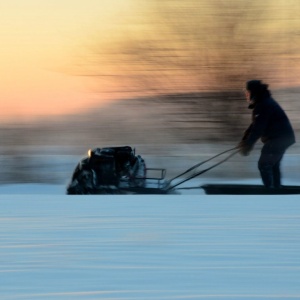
column 163, row 76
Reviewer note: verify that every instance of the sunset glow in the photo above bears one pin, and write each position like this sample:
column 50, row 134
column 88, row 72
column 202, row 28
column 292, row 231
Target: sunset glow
column 60, row 57
column 41, row 41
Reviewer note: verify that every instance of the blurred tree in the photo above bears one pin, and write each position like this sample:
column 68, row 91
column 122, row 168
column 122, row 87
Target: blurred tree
column 176, row 47
column 197, row 45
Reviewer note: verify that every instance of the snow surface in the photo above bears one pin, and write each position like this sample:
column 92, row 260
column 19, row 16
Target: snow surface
column 188, row 246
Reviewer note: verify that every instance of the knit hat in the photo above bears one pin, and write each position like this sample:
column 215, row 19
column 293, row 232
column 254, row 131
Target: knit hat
column 256, row 86
column 258, row 90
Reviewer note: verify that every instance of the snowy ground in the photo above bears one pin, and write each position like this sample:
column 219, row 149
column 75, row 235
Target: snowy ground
column 189, row 246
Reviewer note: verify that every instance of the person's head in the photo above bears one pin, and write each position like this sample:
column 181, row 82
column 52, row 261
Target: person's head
column 256, row 90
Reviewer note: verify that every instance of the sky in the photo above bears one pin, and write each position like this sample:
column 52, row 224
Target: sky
column 41, row 42
column 47, row 47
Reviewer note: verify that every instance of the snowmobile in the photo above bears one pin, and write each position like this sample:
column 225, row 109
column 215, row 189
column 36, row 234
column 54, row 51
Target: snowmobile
column 115, row 170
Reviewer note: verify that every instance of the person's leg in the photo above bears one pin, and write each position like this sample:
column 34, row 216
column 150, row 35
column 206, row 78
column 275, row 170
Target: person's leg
column 269, row 165
column 265, row 167
column 277, row 173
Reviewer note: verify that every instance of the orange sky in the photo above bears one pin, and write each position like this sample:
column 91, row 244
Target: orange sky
column 44, row 43
column 41, row 41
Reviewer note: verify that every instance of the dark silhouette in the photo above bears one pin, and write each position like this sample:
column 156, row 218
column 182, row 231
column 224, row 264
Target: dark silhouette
column 271, row 124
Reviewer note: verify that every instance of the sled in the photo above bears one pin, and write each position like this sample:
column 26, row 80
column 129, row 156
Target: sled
column 248, row 189
column 232, row 189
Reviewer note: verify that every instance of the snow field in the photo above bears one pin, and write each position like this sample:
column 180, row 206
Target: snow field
column 54, row 246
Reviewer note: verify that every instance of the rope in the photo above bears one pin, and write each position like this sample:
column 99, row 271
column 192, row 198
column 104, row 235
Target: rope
column 201, row 163
column 203, row 171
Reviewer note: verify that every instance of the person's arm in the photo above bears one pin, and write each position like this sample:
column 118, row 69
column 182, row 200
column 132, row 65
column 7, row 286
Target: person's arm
column 261, row 116
column 260, row 119
column 243, row 146
column 247, row 132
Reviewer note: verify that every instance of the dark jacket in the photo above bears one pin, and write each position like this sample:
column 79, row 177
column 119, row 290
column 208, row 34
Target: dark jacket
column 270, row 123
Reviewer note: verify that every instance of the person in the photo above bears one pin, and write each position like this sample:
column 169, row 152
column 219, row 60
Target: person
column 271, row 124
